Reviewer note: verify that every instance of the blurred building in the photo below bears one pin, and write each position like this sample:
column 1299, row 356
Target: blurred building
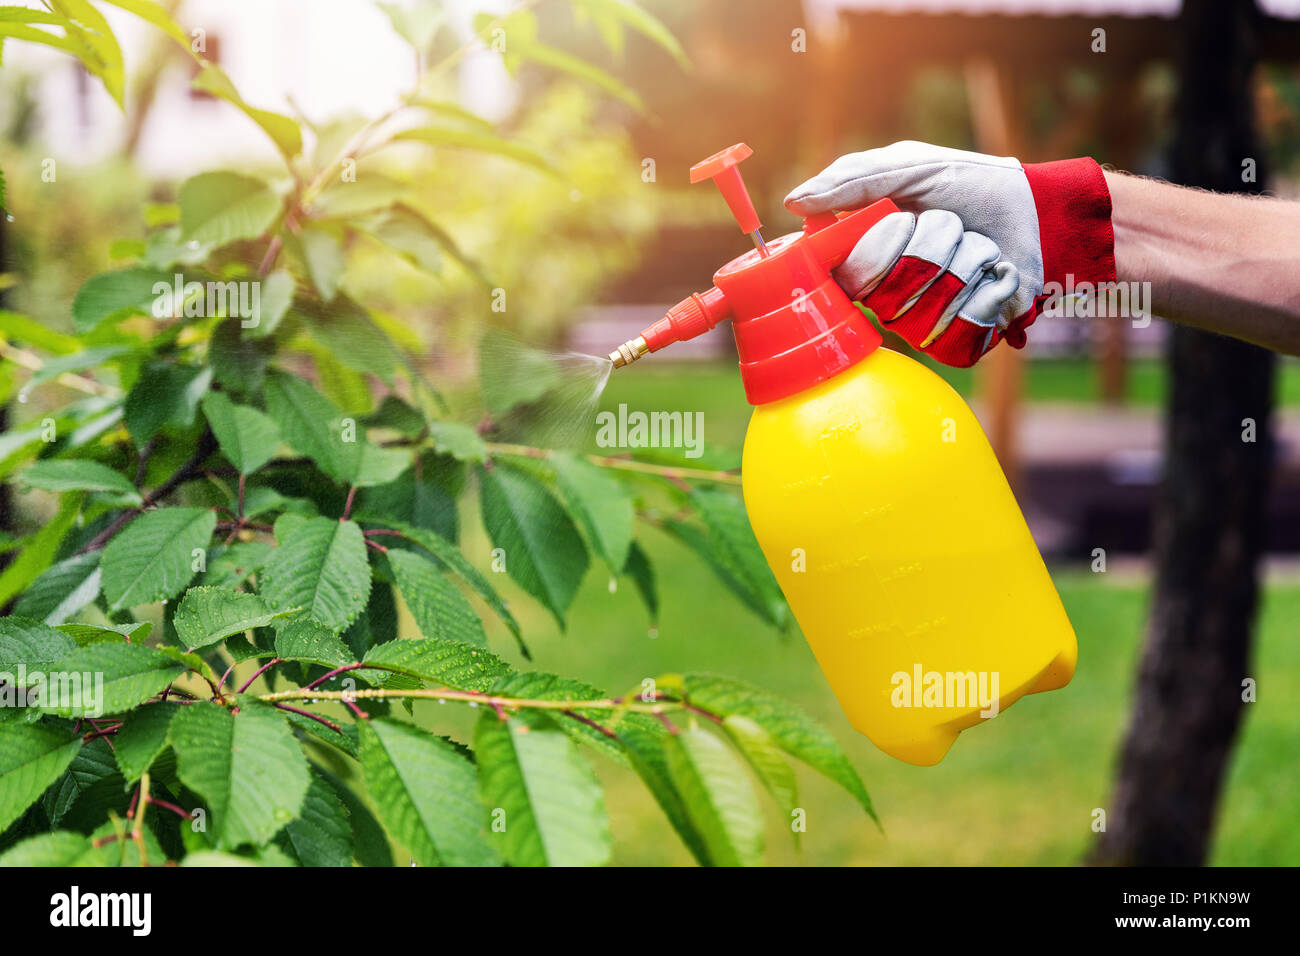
column 323, row 58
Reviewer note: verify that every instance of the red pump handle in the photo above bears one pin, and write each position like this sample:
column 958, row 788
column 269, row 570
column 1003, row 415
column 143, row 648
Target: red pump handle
column 722, row 168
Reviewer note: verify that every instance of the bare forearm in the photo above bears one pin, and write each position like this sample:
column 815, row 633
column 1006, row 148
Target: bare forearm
column 1228, row 264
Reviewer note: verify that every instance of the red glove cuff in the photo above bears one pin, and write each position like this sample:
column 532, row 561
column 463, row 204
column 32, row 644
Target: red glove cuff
column 1074, row 227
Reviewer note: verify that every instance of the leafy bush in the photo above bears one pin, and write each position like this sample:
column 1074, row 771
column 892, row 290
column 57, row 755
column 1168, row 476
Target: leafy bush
column 203, row 661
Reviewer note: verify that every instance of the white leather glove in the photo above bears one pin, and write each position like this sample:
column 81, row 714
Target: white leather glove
column 983, row 242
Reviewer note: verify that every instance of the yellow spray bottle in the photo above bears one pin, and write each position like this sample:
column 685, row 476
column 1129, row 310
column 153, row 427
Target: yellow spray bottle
column 874, row 495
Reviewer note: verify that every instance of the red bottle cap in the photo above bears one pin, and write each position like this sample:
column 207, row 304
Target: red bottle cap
column 795, row 327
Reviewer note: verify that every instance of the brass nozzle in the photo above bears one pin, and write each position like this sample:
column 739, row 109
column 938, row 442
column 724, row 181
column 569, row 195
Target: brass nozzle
column 629, row 352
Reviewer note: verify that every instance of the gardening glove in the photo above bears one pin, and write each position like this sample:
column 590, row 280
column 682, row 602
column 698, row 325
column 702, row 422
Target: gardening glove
column 984, row 242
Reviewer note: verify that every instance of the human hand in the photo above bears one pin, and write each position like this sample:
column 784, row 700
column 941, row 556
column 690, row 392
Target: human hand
column 978, row 248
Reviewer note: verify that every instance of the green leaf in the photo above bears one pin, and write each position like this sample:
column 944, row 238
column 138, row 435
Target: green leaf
column 165, row 395
column 220, row 208
column 307, row 640
column 767, row 761
column 29, row 331
column 273, row 300
column 29, row 34
column 733, row 552
column 142, row 738
column 153, row 13
column 99, row 49
column 478, row 141
column 115, row 295
column 424, row 496
column 449, row 554
column 30, row 643
column 441, row 663
column 282, row 130
column 645, row 742
column 79, row 362
column 636, row 17
column 792, row 729
column 370, row 191
column 422, row 242
column 84, row 635
column 91, row 786
column 451, row 109
column 248, row 768
column 554, row 811
column 439, row 609
column 346, row 330
column 130, row 674
column 395, row 414
column 39, row 549
column 417, row 24
column 62, row 589
column 424, row 792
column 247, row 437
column 151, row 558
column 322, row 833
column 320, row 248
column 72, row 474
column 718, row 797
column 601, row 505
column 412, row 236
column 165, row 249
column 321, row 567
column 543, row 551
column 32, row 756
column 379, row 466
column 238, row 361
column 580, row 69
column 208, row 615
column 642, row 573
column 460, row 441
column 369, row 841
column 311, row 424
column 58, row 849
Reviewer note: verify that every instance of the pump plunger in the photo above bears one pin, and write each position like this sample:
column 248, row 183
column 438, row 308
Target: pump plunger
column 723, row 168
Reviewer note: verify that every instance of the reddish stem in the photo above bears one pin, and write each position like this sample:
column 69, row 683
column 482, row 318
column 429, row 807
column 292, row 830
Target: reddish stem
column 183, row 814
column 258, row 673
column 316, row 717
column 591, row 723
column 334, row 673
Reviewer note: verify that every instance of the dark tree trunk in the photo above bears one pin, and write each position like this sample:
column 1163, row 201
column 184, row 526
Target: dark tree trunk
column 1209, row 519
